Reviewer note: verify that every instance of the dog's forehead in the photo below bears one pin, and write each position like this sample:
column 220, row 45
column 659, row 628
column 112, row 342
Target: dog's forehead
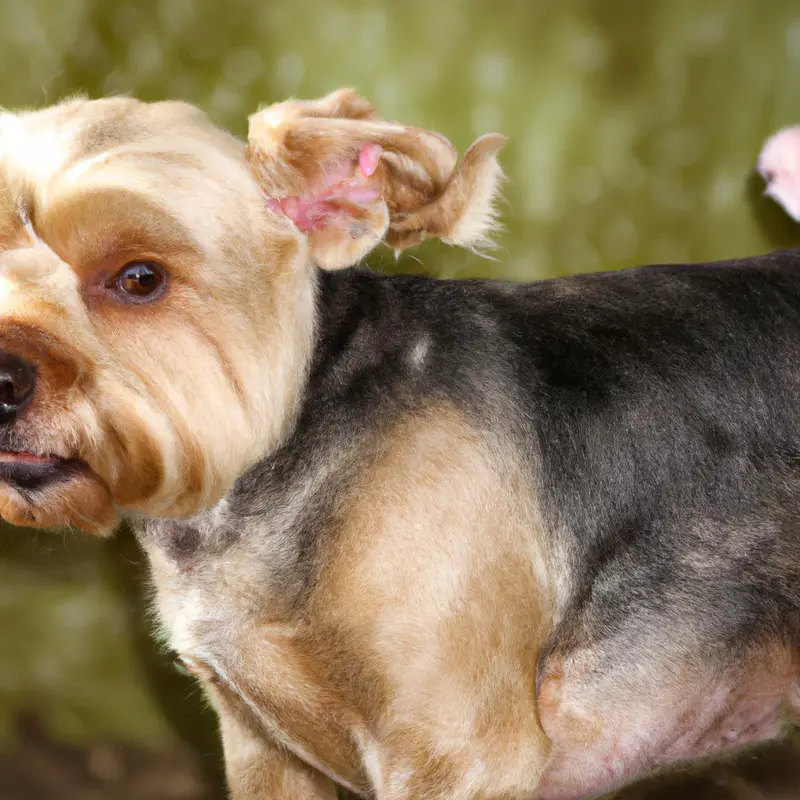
column 37, row 146
column 166, row 157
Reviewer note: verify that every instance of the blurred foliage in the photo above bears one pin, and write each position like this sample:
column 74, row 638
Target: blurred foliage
column 633, row 127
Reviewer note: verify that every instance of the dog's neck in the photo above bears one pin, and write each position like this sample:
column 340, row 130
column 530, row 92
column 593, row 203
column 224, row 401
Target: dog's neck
column 352, row 345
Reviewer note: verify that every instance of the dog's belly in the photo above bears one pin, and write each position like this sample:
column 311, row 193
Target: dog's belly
column 605, row 742
column 748, row 719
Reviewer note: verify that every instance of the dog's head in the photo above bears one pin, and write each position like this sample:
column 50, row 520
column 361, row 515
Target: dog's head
column 157, row 289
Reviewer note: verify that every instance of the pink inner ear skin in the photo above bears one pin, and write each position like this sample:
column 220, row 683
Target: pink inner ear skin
column 327, row 204
column 368, row 159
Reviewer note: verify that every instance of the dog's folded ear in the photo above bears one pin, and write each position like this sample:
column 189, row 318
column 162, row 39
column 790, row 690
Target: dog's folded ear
column 351, row 181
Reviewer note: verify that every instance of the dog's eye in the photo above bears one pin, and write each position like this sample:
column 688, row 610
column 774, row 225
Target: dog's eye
column 140, row 280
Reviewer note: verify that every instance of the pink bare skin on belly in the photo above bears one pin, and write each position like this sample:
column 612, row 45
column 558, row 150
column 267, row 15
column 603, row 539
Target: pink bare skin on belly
column 603, row 744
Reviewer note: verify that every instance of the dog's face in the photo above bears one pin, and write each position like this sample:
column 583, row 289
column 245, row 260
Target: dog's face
column 156, row 293
column 144, row 332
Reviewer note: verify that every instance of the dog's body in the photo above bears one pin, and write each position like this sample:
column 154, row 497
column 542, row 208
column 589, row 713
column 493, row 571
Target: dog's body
column 595, row 478
column 424, row 539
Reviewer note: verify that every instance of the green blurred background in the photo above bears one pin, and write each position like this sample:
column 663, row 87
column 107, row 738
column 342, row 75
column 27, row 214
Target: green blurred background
column 633, row 125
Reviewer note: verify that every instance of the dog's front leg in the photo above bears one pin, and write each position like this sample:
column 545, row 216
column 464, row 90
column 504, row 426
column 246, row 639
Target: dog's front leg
column 256, row 766
column 258, row 769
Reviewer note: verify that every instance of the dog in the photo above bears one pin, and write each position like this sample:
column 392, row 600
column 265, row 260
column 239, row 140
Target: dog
column 416, row 538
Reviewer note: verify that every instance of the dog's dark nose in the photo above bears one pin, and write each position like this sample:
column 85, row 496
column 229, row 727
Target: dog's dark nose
column 17, row 384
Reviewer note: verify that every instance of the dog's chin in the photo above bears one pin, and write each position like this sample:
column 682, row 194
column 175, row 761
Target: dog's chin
column 49, row 492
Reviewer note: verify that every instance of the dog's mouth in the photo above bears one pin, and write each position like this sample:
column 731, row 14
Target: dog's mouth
column 50, row 491
column 30, row 471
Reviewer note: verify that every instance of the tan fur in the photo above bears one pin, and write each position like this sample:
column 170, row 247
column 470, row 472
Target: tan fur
column 259, row 767
column 435, row 616
column 407, row 667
